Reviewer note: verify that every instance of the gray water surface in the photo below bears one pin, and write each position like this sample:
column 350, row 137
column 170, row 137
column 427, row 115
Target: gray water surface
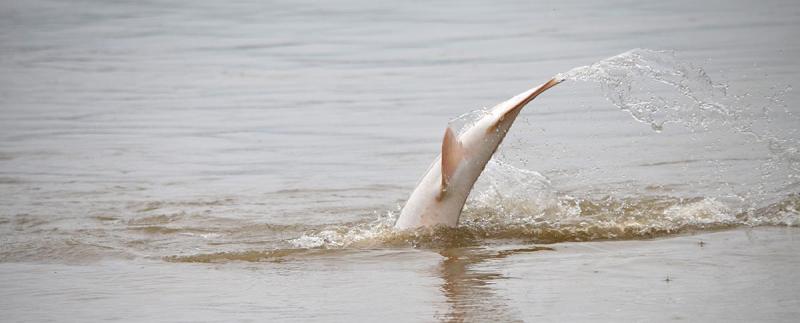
column 137, row 136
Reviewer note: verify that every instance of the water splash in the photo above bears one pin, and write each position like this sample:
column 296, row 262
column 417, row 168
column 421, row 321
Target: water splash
column 365, row 234
column 634, row 80
column 566, row 219
column 510, row 203
column 655, row 88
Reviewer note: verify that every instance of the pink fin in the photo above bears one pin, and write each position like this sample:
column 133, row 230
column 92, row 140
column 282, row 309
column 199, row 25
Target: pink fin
column 452, row 154
column 523, row 102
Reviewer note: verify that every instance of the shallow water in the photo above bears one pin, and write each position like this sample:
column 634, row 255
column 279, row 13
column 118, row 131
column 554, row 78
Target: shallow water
column 677, row 279
column 271, row 145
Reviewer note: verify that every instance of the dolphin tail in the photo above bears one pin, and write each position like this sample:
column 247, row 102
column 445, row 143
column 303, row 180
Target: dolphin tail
column 522, row 100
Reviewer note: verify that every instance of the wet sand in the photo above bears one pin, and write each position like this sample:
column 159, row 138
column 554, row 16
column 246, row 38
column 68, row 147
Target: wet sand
column 743, row 275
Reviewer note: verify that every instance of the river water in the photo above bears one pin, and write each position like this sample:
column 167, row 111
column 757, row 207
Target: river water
column 245, row 161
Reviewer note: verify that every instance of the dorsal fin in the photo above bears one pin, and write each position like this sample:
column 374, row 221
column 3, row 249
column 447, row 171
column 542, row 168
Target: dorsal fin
column 526, row 97
column 452, row 154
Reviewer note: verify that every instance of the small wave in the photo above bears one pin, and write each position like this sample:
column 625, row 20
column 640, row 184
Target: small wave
column 587, row 220
column 274, row 255
column 569, row 219
column 249, row 256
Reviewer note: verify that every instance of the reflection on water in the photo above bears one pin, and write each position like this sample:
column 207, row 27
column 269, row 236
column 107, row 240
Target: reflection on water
column 244, row 160
column 468, row 289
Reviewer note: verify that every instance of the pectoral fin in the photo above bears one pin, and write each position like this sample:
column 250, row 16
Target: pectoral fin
column 452, row 155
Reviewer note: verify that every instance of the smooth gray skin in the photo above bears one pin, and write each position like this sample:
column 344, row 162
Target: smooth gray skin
column 435, row 203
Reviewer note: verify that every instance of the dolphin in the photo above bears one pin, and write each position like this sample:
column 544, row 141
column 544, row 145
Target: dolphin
column 440, row 196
